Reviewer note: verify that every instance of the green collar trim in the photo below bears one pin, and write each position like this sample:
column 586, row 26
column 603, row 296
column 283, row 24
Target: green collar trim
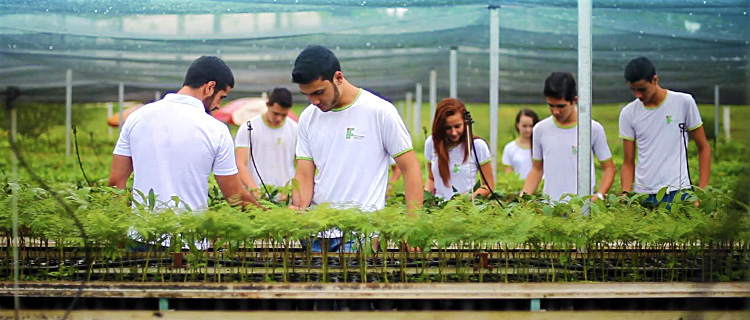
column 263, row 116
column 659, row 106
column 570, row 126
column 348, row 105
column 520, row 146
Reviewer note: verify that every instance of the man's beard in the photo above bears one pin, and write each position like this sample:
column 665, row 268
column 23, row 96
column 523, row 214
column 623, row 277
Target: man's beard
column 207, row 102
column 336, row 96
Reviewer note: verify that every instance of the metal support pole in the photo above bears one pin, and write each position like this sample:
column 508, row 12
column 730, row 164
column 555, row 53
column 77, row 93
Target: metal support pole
column 433, row 95
column 716, row 118
column 416, row 119
column 68, row 108
column 454, row 73
column 408, row 107
column 584, row 100
column 10, row 96
column 727, row 133
column 121, row 103
column 494, row 83
column 109, row 114
column 157, row 95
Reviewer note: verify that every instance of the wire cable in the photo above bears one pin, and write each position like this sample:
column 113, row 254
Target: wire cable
column 252, row 158
column 469, row 123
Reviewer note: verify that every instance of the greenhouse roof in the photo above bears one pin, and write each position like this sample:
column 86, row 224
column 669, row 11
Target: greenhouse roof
column 387, row 46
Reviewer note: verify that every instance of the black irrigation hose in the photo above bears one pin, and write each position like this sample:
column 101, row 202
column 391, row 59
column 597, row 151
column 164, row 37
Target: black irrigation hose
column 87, row 247
column 80, row 164
column 469, row 122
column 252, row 158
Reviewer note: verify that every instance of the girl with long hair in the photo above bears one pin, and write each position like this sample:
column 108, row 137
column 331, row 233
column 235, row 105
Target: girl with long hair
column 452, row 169
column 517, row 153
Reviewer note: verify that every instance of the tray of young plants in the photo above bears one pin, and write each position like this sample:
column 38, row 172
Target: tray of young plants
column 705, row 237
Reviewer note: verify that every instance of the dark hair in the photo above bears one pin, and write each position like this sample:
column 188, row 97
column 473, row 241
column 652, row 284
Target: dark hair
column 313, row 63
column 529, row 113
column 282, row 96
column 640, row 68
column 209, row 68
column 560, row 85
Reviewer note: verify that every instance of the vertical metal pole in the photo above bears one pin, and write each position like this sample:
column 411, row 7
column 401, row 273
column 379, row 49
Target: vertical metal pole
column 157, row 95
column 727, row 133
column 416, row 119
column 584, row 100
column 433, row 95
column 716, row 118
column 494, row 82
column 68, row 108
column 121, row 103
column 109, row 115
column 408, row 107
column 454, row 73
column 14, row 203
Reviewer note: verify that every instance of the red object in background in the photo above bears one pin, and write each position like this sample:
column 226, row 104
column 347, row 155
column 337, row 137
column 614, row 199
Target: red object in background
column 241, row 110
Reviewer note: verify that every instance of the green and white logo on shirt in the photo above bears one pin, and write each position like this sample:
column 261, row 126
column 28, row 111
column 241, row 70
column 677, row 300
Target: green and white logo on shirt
column 456, row 168
column 574, row 149
column 351, row 136
column 669, row 119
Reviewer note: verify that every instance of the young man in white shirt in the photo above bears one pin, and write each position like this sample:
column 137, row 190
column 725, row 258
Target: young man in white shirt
column 555, row 144
column 658, row 122
column 348, row 134
column 270, row 141
column 172, row 145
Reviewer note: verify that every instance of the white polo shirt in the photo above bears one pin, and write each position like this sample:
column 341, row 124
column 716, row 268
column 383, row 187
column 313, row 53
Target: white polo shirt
column 463, row 174
column 518, row 158
column 175, row 145
column 351, row 147
column 557, row 146
column 661, row 142
column 273, row 150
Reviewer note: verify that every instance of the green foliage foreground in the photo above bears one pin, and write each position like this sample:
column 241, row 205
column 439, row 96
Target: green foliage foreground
column 524, row 240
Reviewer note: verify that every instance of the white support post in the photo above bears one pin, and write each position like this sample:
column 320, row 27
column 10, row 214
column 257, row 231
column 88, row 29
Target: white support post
column 68, row 108
column 408, row 107
column 727, row 133
column 584, row 100
column 121, row 103
column 14, row 207
column 716, row 116
column 433, row 95
column 494, row 83
column 454, row 73
column 157, row 95
column 416, row 119
column 109, row 115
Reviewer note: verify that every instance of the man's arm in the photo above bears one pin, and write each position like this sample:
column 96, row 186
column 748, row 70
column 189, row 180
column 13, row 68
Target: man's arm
column 429, row 186
column 534, row 177
column 704, row 156
column 242, row 159
column 487, row 171
column 627, row 172
column 302, row 196
column 411, row 170
column 122, row 168
column 608, row 176
column 234, row 192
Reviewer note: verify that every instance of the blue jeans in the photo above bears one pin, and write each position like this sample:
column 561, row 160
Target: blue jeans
column 651, row 201
column 334, row 245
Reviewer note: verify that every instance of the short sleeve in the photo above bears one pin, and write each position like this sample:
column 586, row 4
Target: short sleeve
column 224, row 163
column 303, row 145
column 536, row 145
column 627, row 131
column 396, row 138
column 483, row 151
column 599, row 142
column 241, row 139
column 429, row 149
column 507, row 154
column 122, row 148
column 693, row 120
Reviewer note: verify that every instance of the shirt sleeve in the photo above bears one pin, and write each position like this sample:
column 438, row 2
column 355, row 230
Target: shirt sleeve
column 122, row 148
column 224, row 163
column 303, row 145
column 483, row 151
column 241, row 139
column 693, row 120
column 536, row 146
column 396, row 138
column 506, row 154
column 626, row 127
column 429, row 149
column 599, row 142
